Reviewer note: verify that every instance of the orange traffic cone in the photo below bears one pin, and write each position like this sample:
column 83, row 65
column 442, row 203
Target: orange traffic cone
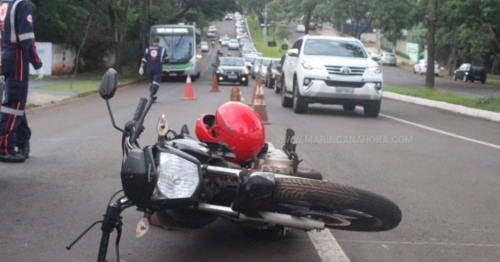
column 235, row 94
column 188, row 93
column 260, row 105
column 215, row 84
column 255, row 90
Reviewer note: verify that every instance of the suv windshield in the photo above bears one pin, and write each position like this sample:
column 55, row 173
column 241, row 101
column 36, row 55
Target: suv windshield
column 327, row 47
column 231, row 62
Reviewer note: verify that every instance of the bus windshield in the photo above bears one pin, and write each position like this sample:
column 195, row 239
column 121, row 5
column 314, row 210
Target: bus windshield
column 179, row 47
column 180, row 42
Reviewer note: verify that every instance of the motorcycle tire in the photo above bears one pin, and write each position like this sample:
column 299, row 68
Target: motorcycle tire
column 341, row 207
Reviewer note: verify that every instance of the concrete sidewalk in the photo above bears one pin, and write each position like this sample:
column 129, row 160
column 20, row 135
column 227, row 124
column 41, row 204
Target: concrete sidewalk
column 39, row 97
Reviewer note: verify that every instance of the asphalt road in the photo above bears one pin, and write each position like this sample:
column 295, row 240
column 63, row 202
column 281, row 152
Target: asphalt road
column 404, row 77
column 446, row 186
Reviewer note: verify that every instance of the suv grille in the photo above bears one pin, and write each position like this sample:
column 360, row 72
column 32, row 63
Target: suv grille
column 344, row 83
column 339, row 70
column 232, row 72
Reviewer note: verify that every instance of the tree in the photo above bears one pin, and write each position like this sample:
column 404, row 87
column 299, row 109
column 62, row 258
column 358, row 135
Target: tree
column 390, row 17
column 302, row 9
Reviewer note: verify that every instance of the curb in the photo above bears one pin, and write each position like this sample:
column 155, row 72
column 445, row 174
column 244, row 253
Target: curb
column 33, row 106
column 459, row 109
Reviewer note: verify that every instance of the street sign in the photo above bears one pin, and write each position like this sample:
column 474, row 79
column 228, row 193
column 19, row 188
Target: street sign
column 271, row 43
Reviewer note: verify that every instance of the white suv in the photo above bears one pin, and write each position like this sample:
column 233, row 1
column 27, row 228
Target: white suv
column 331, row 70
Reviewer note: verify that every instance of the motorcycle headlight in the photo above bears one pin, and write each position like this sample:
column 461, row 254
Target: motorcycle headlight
column 178, row 178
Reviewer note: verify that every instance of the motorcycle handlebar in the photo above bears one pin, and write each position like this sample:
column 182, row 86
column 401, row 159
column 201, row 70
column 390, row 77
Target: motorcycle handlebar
column 103, row 247
column 140, row 108
column 138, row 126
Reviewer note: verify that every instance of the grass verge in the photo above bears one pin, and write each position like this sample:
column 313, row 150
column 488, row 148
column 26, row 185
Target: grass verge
column 490, row 103
column 258, row 39
column 88, row 82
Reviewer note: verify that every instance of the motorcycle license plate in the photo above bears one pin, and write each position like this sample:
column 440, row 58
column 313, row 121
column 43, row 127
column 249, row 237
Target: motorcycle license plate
column 232, row 77
column 344, row 90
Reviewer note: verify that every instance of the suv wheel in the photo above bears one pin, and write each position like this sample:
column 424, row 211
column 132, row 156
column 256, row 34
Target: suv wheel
column 372, row 110
column 299, row 105
column 285, row 101
column 465, row 79
column 454, row 77
column 349, row 107
column 483, row 81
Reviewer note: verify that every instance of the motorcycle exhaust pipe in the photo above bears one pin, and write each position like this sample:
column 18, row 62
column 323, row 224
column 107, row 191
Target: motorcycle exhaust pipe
column 267, row 217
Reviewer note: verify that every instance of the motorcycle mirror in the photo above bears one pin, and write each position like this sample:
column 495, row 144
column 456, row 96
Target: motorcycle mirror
column 162, row 126
column 109, row 83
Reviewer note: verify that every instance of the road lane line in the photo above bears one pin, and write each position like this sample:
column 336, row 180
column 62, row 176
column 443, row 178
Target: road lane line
column 442, row 132
column 421, row 243
column 327, row 247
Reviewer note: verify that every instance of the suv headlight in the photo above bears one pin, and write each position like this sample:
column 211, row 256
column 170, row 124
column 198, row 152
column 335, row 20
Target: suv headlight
column 374, row 69
column 178, row 177
column 309, row 66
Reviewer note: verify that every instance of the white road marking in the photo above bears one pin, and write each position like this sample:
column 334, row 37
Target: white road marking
column 421, row 243
column 442, row 132
column 328, row 248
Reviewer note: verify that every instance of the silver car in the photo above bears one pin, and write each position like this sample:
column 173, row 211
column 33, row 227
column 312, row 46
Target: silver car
column 204, row 47
column 233, row 44
column 388, row 59
column 225, row 41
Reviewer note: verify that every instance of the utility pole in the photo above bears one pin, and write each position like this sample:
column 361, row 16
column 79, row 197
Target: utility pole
column 265, row 27
column 431, row 32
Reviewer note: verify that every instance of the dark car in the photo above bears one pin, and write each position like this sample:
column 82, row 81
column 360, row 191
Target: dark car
column 278, row 81
column 271, row 72
column 231, row 69
column 469, row 72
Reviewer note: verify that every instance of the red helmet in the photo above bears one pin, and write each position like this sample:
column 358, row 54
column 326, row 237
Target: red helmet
column 238, row 126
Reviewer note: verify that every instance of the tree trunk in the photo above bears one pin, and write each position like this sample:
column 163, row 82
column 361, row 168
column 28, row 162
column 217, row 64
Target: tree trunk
column 431, row 32
column 452, row 63
column 77, row 60
column 142, row 33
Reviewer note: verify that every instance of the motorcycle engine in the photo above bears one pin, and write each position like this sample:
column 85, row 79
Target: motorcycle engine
column 275, row 161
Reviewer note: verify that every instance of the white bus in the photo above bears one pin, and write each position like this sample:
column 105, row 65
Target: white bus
column 183, row 47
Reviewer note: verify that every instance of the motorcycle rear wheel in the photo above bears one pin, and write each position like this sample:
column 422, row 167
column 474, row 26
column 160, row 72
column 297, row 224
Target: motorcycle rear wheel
column 341, row 207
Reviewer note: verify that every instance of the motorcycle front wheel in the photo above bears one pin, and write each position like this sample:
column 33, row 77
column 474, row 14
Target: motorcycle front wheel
column 341, row 207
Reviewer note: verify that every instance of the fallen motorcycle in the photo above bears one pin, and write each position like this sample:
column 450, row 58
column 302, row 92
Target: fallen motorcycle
column 187, row 183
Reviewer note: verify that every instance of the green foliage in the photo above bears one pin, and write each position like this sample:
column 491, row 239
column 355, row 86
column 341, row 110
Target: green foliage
column 258, row 39
column 116, row 24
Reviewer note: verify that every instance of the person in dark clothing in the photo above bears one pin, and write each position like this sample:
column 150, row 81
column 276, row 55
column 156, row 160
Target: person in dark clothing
column 18, row 52
column 154, row 56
